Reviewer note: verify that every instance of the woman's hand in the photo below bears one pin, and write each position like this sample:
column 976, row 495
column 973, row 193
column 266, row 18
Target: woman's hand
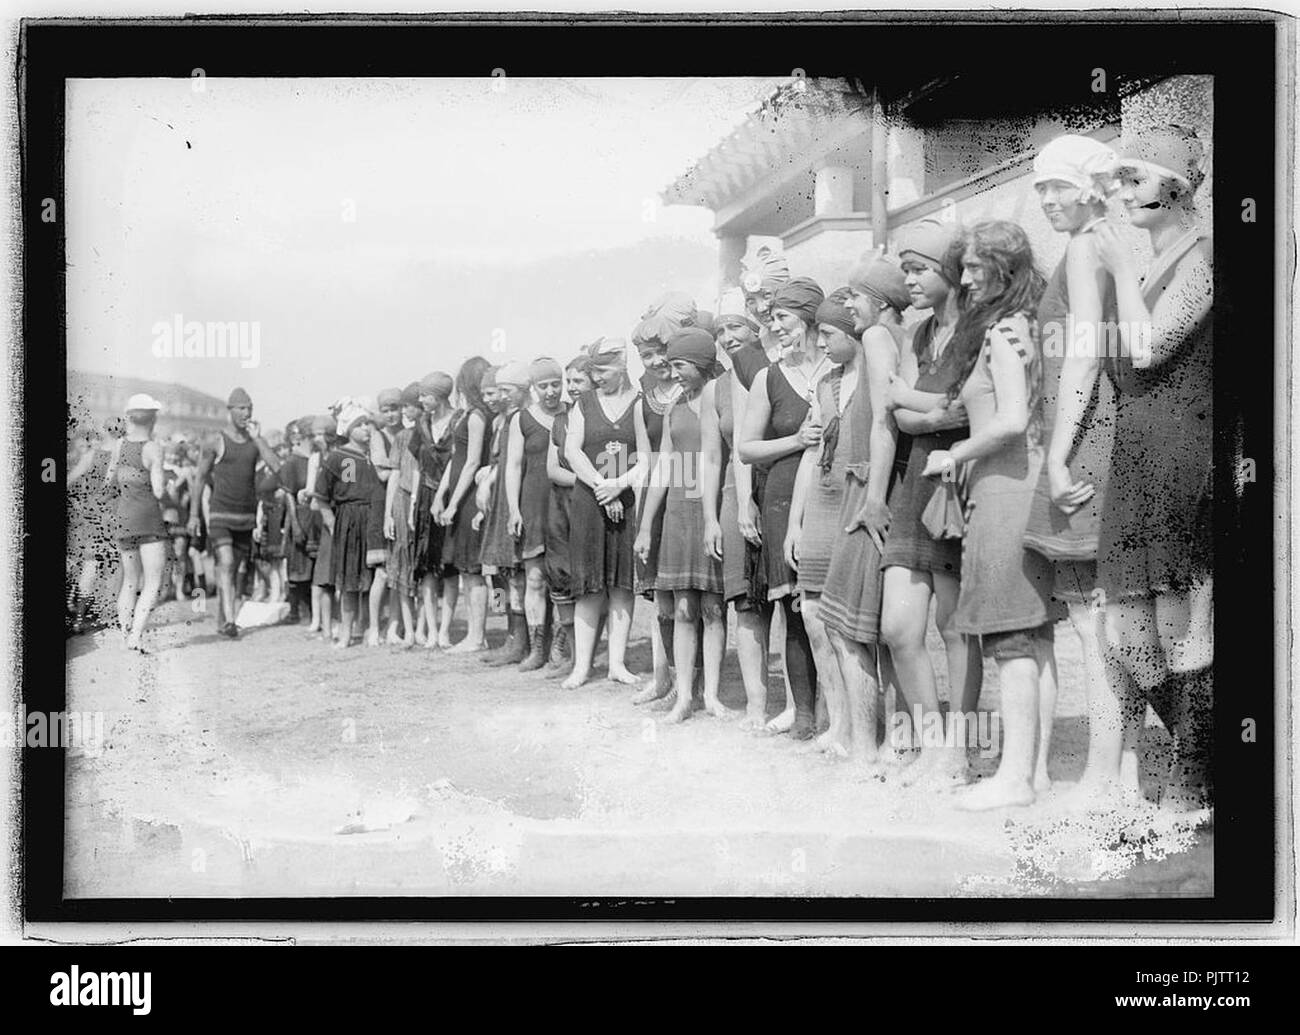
column 751, row 522
column 874, row 517
column 939, row 464
column 1068, row 495
column 614, row 511
column 390, row 527
column 515, row 526
column 304, row 498
column 642, row 545
column 1112, row 250
column 327, row 519
column 446, row 517
column 192, row 526
column 951, row 413
column 809, row 433
column 791, row 546
column 606, row 491
column 713, row 539
column 257, row 534
column 477, row 523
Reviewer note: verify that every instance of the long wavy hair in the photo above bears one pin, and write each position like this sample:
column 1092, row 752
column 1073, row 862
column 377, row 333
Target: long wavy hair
column 469, row 381
column 1004, row 249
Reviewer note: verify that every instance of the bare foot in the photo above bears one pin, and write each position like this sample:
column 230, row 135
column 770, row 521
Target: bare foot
column 341, row 644
column 755, row 719
column 782, row 723
column 420, row 639
column 465, row 647
column 681, row 712
column 444, row 643
column 665, row 703
column 1042, row 783
column 619, row 674
column 994, row 793
column 372, row 638
column 834, row 751
column 575, row 680
column 393, row 638
column 658, row 686
column 719, row 710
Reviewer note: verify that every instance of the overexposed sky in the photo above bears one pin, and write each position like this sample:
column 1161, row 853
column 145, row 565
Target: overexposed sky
column 376, row 229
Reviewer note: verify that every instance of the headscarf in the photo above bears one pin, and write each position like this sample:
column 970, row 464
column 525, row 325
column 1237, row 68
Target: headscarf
column 1171, row 151
column 238, row 397
column 390, row 397
column 834, row 311
column 350, row 416
column 766, row 271
column 882, row 279
column 695, row 345
column 515, row 374
column 800, row 296
column 732, row 304
column 931, row 239
column 609, row 352
column 667, row 314
column 705, row 321
column 411, row 394
column 437, row 383
column 325, row 424
column 543, row 368
column 1077, row 160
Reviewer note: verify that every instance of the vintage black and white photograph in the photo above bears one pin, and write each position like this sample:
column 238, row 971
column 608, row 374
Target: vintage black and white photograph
column 791, row 485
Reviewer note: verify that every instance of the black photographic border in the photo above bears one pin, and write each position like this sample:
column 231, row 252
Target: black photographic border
column 1238, row 49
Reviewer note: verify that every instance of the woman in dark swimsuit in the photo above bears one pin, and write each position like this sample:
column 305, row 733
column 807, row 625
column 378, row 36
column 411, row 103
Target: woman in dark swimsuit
column 608, row 449
column 136, row 470
column 775, row 434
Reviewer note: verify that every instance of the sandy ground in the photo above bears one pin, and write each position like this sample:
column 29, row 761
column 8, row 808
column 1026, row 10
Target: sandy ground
column 273, row 766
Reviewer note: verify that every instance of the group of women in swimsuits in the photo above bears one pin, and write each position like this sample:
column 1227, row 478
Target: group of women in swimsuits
column 948, row 438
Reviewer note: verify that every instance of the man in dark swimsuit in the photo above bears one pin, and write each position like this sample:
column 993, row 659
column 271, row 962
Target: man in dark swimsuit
column 233, row 507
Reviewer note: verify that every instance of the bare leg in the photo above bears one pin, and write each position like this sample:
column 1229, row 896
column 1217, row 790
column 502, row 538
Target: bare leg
column 326, row 614
column 751, row 652
column 316, row 593
column 1047, row 687
column 1099, row 784
column 348, row 603
column 450, row 594
column 660, row 683
column 586, row 615
column 903, row 627
column 686, row 605
column 776, row 631
column 378, row 588
column 1193, row 649
column 1012, row 783
column 132, row 579
column 857, row 664
column 226, row 602
column 621, row 602
column 476, row 615
column 153, row 559
column 830, row 683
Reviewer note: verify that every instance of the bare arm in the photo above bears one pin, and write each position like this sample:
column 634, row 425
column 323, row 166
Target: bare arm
column 1086, row 280
column 515, row 471
column 557, row 474
column 880, row 360
column 656, row 490
column 152, row 457
column 473, row 458
column 754, row 448
column 711, row 468
column 1012, row 415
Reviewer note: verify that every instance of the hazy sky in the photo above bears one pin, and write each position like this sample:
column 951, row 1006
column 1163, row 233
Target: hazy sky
column 374, row 229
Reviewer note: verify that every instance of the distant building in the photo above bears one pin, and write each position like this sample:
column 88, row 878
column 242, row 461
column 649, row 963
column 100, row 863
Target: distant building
column 836, row 168
column 99, row 397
